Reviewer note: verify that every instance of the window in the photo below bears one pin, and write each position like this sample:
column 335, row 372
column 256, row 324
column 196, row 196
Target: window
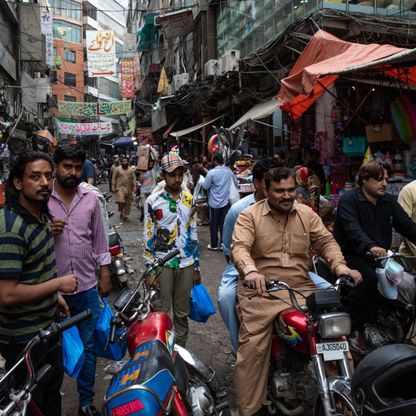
column 66, row 31
column 70, row 79
column 53, row 102
column 70, row 56
column 54, row 77
column 67, row 8
column 70, row 98
column 55, row 51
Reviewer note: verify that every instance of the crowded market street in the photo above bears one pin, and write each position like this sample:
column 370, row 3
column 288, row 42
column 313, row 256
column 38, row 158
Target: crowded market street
column 209, row 341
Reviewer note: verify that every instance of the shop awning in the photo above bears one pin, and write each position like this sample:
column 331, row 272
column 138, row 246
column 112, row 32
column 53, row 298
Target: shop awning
column 257, row 112
column 184, row 132
column 123, row 141
column 326, row 57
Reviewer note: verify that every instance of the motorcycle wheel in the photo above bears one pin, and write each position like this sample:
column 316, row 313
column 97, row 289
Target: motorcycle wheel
column 341, row 406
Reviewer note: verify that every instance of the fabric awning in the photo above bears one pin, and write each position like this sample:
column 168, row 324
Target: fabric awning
column 184, row 132
column 326, row 57
column 123, row 141
column 259, row 111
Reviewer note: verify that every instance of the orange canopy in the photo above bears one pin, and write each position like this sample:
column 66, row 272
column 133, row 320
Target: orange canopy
column 326, row 56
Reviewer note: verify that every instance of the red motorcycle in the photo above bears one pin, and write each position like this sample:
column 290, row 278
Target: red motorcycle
column 309, row 372
column 160, row 377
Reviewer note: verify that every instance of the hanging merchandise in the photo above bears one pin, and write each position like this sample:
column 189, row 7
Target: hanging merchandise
column 213, row 145
column 402, row 120
column 354, row 146
column 368, row 157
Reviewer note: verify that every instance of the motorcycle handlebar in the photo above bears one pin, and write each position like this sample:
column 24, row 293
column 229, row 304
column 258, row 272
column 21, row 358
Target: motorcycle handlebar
column 168, row 257
column 74, row 320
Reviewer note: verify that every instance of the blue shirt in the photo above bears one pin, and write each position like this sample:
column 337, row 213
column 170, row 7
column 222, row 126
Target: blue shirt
column 88, row 171
column 229, row 223
column 217, row 182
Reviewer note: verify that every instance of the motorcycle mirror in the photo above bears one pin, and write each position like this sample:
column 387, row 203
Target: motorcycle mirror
column 122, row 298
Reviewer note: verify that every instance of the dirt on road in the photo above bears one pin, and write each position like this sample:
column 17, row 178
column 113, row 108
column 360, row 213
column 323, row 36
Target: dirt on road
column 210, row 341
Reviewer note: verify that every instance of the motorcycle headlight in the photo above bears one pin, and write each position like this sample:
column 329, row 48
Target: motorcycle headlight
column 334, row 325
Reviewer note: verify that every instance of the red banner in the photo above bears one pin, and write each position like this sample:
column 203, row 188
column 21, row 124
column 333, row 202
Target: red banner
column 127, row 77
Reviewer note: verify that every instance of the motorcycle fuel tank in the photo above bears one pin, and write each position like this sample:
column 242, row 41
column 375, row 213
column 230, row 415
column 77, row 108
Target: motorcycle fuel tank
column 157, row 325
column 291, row 327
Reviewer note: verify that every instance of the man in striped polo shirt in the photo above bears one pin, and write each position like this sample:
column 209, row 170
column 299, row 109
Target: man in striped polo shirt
column 28, row 283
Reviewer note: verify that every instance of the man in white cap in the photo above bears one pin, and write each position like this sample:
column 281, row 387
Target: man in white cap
column 170, row 223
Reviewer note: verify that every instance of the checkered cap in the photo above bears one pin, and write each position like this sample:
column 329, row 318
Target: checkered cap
column 170, row 162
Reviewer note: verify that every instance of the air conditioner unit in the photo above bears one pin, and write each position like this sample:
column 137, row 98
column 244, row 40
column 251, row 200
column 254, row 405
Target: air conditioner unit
column 180, row 80
column 229, row 61
column 211, row 68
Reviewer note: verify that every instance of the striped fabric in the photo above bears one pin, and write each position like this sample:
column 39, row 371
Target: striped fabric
column 83, row 244
column 27, row 255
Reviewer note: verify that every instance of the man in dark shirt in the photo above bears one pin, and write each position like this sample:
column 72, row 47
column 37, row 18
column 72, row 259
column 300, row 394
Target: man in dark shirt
column 363, row 225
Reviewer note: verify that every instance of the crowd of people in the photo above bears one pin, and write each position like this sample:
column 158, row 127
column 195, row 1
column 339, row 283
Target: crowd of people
column 54, row 252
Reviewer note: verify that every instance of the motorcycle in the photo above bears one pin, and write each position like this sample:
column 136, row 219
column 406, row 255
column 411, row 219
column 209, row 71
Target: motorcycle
column 160, row 377
column 17, row 401
column 306, row 341
column 119, row 269
column 391, row 320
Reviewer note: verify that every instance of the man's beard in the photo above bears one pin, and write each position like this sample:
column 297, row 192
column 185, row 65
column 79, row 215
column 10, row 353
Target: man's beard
column 69, row 183
column 124, row 167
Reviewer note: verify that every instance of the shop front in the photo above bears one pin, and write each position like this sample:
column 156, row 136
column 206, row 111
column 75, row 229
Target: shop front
column 360, row 103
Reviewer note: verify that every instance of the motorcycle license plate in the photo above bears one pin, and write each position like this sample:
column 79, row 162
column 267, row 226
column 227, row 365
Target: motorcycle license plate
column 332, row 350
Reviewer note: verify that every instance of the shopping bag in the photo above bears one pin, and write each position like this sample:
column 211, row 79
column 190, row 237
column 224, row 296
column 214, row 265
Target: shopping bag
column 73, row 351
column 117, row 350
column 202, row 306
column 234, row 195
column 394, row 271
column 385, row 286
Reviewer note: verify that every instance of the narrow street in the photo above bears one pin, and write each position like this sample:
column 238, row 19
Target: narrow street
column 209, row 341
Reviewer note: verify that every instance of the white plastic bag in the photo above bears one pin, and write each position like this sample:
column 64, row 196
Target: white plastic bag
column 385, row 286
column 234, row 194
column 394, row 271
column 200, row 195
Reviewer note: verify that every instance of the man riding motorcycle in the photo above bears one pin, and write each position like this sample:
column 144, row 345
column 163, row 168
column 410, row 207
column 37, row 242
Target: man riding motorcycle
column 364, row 223
column 271, row 240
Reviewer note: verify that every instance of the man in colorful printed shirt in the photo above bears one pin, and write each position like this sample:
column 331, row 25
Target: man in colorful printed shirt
column 170, row 223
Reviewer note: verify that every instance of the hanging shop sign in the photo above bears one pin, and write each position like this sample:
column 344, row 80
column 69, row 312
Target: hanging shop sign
column 47, row 29
column 127, row 77
column 101, row 52
column 84, row 129
column 176, row 24
column 103, row 108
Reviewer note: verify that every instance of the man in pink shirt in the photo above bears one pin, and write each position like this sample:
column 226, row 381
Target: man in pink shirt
column 80, row 246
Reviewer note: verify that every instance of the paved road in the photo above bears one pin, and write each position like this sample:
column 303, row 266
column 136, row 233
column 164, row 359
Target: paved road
column 209, row 341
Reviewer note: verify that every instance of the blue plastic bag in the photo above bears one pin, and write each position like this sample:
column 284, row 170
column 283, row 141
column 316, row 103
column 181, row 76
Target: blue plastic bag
column 114, row 351
column 73, row 351
column 202, row 306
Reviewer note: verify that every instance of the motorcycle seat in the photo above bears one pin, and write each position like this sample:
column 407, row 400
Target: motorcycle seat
column 145, row 381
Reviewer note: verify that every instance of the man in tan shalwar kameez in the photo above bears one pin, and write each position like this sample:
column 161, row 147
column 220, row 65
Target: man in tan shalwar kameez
column 124, row 185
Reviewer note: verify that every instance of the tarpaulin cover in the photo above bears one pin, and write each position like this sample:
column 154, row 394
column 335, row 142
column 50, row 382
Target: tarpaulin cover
column 325, row 57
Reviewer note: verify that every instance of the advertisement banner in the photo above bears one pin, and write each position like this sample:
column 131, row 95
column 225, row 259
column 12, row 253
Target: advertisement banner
column 127, row 77
column 84, row 129
column 47, row 29
column 101, row 52
column 103, row 108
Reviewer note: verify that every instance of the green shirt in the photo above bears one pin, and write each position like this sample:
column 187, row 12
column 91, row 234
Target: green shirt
column 27, row 255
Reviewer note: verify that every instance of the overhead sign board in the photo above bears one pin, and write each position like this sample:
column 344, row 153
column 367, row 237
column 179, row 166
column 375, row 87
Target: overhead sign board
column 101, row 52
